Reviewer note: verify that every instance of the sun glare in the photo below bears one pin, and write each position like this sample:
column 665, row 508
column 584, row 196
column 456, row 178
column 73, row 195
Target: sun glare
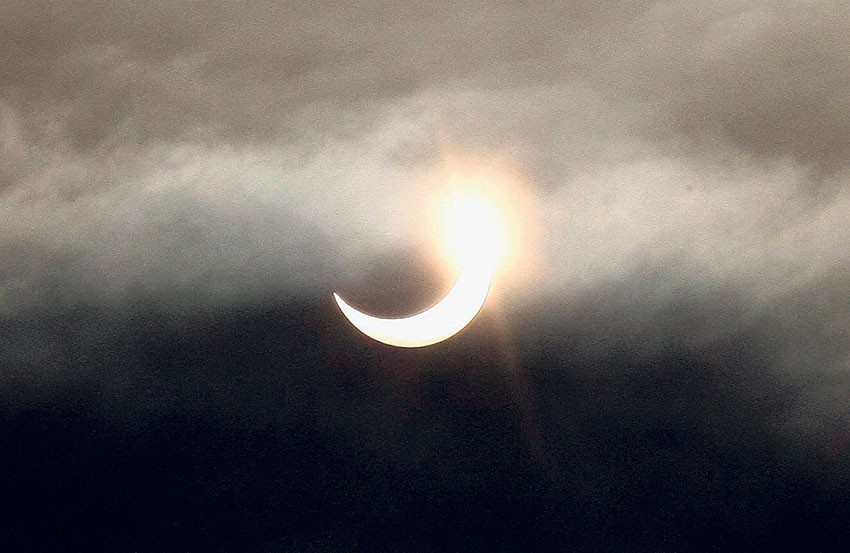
column 479, row 233
column 475, row 232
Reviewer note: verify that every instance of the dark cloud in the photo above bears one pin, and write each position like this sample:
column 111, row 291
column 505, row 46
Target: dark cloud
column 595, row 425
column 182, row 184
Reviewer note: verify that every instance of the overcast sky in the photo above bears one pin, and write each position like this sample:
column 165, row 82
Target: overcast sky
column 208, row 152
column 215, row 156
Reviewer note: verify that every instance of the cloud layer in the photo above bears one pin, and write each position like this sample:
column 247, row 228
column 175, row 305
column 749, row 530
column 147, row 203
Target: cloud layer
column 682, row 168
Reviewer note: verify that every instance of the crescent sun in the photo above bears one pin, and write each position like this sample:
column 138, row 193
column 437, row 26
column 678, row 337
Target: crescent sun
column 439, row 322
column 476, row 237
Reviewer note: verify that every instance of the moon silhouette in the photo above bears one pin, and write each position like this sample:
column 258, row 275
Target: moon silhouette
column 476, row 241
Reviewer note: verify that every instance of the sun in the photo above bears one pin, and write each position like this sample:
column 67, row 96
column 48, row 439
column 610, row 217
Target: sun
column 478, row 235
column 475, row 239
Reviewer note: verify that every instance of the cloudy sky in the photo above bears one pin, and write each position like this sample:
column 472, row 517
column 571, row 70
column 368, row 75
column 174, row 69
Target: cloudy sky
column 182, row 184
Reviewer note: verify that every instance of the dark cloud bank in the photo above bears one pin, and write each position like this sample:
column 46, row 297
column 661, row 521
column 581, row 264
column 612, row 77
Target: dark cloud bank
column 184, row 183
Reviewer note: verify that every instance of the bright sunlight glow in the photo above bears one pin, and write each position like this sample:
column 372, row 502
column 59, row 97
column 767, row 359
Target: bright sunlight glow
column 474, row 231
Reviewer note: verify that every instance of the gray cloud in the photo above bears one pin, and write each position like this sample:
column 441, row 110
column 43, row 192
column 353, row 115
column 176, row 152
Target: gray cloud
column 764, row 77
column 182, row 184
column 211, row 154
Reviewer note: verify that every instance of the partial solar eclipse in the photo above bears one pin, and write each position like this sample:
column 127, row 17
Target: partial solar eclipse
column 476, row 239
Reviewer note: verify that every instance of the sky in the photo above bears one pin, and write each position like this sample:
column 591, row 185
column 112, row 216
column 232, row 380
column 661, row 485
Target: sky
column 664, row 367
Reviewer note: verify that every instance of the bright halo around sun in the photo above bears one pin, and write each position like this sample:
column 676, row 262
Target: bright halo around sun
column 475, row 233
